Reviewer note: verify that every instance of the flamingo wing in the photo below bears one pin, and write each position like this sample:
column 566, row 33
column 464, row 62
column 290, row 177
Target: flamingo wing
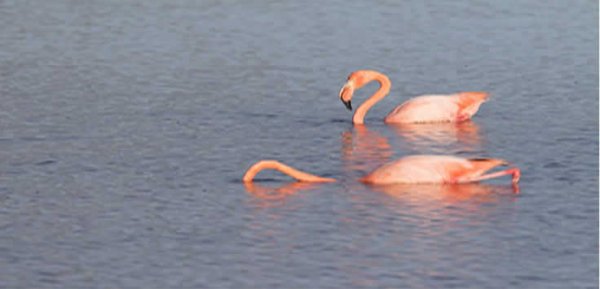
column 426, row 108
column 417, row 169
column 437, row 108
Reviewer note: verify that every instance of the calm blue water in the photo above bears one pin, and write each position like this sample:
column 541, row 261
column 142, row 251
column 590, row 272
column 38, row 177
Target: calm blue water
column 125, row 127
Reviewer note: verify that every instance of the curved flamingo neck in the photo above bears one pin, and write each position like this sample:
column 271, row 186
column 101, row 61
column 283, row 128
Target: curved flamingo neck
column 384, row 89
column 275, row 165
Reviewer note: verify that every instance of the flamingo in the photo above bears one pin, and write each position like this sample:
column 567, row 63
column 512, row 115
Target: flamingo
column 456, row 107
column 408, row 170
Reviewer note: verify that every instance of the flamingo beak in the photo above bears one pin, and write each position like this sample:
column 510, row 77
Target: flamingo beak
column 348, row 104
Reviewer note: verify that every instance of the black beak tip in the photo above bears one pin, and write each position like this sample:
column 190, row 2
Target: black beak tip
column 348, row 104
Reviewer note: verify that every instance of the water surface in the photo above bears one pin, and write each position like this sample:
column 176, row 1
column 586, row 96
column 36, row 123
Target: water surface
column 126, row 126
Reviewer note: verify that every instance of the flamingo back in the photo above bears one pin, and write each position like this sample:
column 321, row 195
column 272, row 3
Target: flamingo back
column 419, row 169
column 426, row 108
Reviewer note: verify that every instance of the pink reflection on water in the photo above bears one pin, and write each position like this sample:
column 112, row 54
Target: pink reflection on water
column 465, row 134
column 363, row 150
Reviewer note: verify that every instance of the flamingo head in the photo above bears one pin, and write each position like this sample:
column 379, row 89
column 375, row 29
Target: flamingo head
column 346, row 94
column 356, row 80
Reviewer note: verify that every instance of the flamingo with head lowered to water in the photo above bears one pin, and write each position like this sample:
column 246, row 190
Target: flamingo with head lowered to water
column 417, row 169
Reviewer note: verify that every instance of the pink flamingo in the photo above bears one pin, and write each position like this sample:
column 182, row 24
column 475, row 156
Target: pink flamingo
column 427, row 108
column 408, row 170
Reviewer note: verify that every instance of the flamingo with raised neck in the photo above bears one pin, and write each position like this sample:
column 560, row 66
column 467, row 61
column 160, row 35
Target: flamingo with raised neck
column 408, row 170
column 426, row 108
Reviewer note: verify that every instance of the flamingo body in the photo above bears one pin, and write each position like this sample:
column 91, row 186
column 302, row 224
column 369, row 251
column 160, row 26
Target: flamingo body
column 437, row 108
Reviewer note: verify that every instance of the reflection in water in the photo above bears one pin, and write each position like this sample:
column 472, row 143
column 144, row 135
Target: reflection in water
column 363, row 150
column 277, row 193
column 424, row 220
column 447, row 193
column 439, row 210
column 419, row 136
